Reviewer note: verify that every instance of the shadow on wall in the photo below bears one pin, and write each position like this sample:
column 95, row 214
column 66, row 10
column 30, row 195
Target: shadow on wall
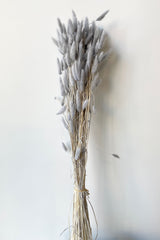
column 112, row 221
column 101, row 124
column 129, row 236
column 103, row 119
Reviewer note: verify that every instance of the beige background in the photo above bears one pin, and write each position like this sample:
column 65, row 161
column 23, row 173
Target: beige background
column 35, row 173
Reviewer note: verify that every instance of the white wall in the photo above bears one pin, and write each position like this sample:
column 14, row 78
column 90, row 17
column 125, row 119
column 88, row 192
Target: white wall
column 35, row 173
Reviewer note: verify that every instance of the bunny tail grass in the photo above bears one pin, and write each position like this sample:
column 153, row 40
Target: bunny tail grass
column 80, row 43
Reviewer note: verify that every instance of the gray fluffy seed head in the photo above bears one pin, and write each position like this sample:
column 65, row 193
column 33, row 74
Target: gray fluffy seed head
column 100, row 56
column 74, row 20
column 77, row 153
column 93, row 26
column 64, row 29
column 72, row 109
column 67, row 59
column 78, row 101
column 86, row 25
column 73, row 51
column 81, row 50
column 92, row 103
column 106, row 55
column 81, row 85
column 68, row 145
column 60, row 25
column 71, row 126
column 64, row 147
column 70, row 27
column 78, row 69
column 82, row 75
column 96, row 36
column 62, row 65
column 97, row 46
column 65, row 123
column 78, row 34
column 102, row 16
column 62, row 110
column 60, row 99
column 73, row 72
column 74, row 14
column 55, row 41
column 72, row 81
column 85, row 104
column 89, row 38
column 59, row 66
column 95, row 82
column 95, row 65
column 66, row 81
column 63, row 93
column 89, row 55
column 102, row 39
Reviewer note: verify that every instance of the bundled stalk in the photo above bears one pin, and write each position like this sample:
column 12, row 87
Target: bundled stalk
column 80, row 44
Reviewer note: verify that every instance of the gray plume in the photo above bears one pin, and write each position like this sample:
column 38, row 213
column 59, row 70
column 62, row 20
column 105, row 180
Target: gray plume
column 81, row 50
column 67, row 59
column 106, row 55
column 72, row 109
column 77, row 154
column 89, row 55
column 72, row 81
column 60, row 99
column 78, row 69
column 74, row 20
column 59, row 66
column 102, row 39
column 102, row 16
column 89, row 38
column 86, row 25
column 64, row 29
column 71, row 126
column 78, row 101
column 95, row 65
column 60, row 25
column 100, row 56
column 95, row 81
column 62, row 110
column 63, row 93
column 55, row 42
column 85, row 103
column 64, row 123
column 64, row 147
column 66, row 81
column 74, row 72
column 70, row 27
column 82, row 81
column 73, row 51
column 79, row 28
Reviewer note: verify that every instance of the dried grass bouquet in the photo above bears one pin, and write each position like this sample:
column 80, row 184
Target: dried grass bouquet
column 80, row 43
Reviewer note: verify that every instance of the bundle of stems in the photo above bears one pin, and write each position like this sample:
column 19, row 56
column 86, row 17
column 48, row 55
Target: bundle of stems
column 80, row 44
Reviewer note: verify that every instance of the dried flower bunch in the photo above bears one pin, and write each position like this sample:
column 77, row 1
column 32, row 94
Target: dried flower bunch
column 80, row 44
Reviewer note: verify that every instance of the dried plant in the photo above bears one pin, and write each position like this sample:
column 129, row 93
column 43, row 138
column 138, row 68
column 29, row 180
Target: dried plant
column 80, row 44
